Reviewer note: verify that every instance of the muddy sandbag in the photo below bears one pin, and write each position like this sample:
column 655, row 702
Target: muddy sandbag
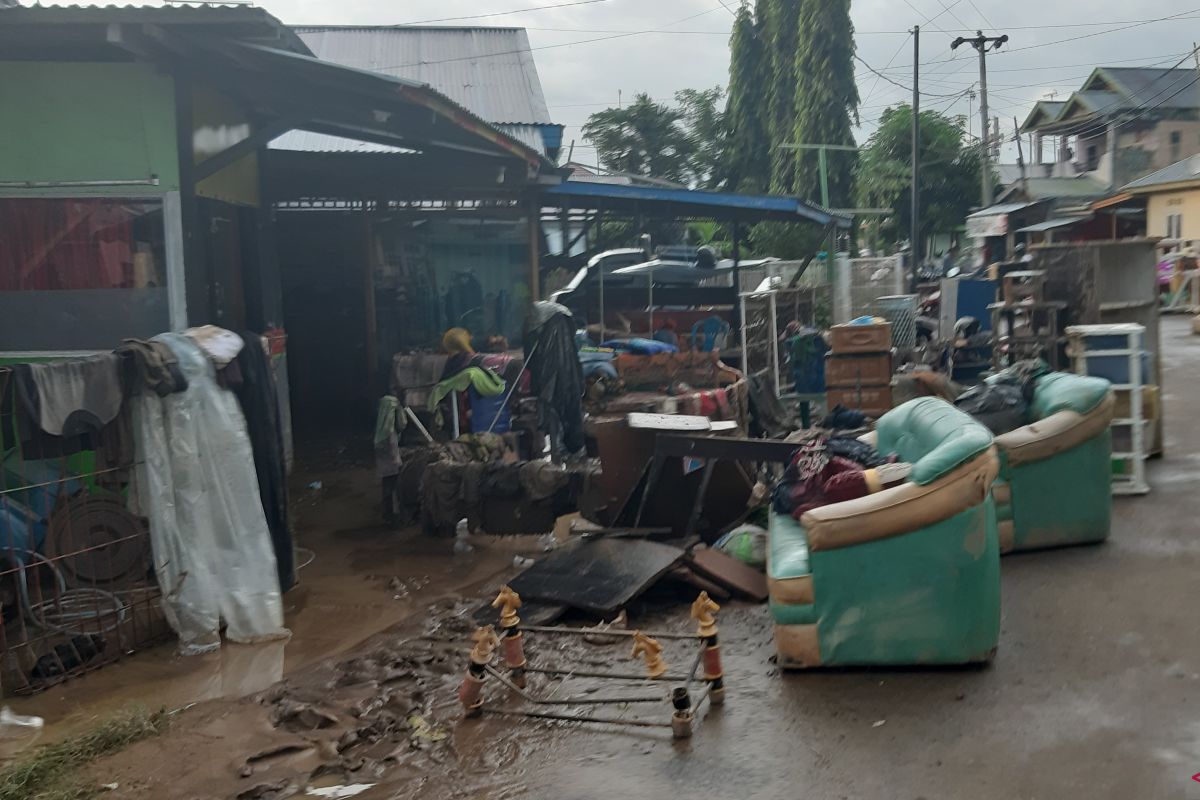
column 1000, row 406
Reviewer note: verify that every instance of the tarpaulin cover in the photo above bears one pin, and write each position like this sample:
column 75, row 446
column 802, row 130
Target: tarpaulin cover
column 196, row 483
column 553, row 363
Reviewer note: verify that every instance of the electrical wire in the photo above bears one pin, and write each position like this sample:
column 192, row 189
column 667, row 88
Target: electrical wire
column 506, row 13
column 1174, row 17
column 878, row 76
column 900, row 85
column 982, row 16
column 480, row 57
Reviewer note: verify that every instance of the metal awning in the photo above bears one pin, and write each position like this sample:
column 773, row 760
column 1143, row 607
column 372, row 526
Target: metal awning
column 656, row 201
column 1003, row 208
column 1051, row 224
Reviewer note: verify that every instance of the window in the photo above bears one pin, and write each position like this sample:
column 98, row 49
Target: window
column 80, row 274
column 1175, row 226
column 1093, row 160
column 76, row 244
column 1176, row 141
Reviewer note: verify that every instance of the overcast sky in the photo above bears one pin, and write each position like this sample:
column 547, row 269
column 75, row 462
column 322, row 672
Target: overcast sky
column 588, row 52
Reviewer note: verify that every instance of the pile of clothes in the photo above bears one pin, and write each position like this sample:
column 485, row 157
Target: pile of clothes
column 833, row 469
column 465, row 473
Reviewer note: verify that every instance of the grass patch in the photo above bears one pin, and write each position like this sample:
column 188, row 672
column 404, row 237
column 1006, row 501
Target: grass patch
column 53, row 772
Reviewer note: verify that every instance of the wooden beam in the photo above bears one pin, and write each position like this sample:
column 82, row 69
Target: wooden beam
column 230, row 155
column 534, row 217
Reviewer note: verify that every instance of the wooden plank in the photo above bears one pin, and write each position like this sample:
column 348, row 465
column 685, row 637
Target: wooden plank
column 600, row 576
column 723, row 570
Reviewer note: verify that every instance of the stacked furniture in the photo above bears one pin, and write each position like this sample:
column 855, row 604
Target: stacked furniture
column 1054, row 485
column 1026, row 324
column 1117, row 353
column 908, row 575
column 858, row 369
column 1106, row 283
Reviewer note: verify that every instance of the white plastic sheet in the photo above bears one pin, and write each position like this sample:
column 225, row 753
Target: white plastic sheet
column 196, row 484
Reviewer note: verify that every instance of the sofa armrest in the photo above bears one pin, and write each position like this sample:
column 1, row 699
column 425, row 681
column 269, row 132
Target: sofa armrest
column 1055, row 434
column 901, row 509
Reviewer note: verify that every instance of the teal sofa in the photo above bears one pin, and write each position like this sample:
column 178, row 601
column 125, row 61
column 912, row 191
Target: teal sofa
column 908, row 575
column 1055, row 484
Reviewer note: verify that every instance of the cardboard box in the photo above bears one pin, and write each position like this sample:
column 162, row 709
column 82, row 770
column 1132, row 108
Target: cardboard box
column 876, row 338
column 858, row 369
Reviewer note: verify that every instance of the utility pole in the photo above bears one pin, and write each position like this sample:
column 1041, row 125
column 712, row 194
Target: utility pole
column 914, row 236
column 982, row 44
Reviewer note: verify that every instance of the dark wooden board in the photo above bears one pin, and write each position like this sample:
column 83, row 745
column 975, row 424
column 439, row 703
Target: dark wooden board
column 600, row 576
column 723, row 570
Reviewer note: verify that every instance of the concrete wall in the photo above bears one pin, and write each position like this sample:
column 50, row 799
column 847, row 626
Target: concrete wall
column 72, row 122
column 1185, row 202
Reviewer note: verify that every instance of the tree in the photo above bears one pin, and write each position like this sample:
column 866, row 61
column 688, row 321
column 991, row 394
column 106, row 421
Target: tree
column 748, row 143
column 707, row 134
column 949, row 172
column 645, row 138
column 826, row 96
column 780, row 21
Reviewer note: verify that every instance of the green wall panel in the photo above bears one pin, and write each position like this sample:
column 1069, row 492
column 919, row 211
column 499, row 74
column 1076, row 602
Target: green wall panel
column 87, row 122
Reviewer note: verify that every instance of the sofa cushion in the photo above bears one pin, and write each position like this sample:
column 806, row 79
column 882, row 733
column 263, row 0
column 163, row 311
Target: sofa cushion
column 788, row 557
column 933, row 436
column 1063, row 391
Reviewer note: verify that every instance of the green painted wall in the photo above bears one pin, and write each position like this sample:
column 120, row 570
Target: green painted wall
column 87, row 122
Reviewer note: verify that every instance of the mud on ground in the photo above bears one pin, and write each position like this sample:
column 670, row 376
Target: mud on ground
column 388, row 716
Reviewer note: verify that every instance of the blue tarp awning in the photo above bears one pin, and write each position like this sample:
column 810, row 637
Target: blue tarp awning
column 654, row 201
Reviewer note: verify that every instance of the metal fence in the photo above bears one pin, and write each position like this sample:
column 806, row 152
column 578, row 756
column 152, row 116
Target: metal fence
column 77, row 584
column 860, row 281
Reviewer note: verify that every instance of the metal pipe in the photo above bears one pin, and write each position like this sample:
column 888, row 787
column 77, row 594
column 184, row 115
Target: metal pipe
column 153, row 181
column 591, row 631
column 615, row 675
column 413, row 416
column 513, row 388
column 567, row 701
column 639, row 723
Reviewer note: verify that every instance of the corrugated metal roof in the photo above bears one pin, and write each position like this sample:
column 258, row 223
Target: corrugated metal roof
column 1051, row 224
column 1003, row 208
column 1186, row 170
column 690, row 203
column 489, row 71
column 1161, row 88
column 238, row 20
column 528, row 135
column 307, row 141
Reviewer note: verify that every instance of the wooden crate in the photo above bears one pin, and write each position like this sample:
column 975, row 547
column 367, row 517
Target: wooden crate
column 857, row 369
column 874, row 401
column 875, row 338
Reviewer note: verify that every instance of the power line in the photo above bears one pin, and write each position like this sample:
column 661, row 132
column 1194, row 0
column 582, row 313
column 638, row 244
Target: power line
column 505, row 13
column 517, row 51
column 856, row 32
column 878, row 76
column 724, row 5
column 983, row 16
column 1173, row 17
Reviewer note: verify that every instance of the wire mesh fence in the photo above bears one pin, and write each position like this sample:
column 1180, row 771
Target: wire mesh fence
column 77, row 583
column 863, row 280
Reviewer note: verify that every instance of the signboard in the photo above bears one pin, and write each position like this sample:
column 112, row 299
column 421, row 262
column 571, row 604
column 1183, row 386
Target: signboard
column 992, row 225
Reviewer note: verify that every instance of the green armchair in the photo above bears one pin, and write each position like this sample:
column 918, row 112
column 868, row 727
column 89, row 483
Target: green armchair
column 1055, row 485
column 908, row 575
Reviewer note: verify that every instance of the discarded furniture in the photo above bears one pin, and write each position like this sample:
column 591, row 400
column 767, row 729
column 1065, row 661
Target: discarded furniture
column 858, row 369
column 1026, row 330
column 1054, row 472
column 908, row 575
column 1117, row 354
column 1106, row 283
